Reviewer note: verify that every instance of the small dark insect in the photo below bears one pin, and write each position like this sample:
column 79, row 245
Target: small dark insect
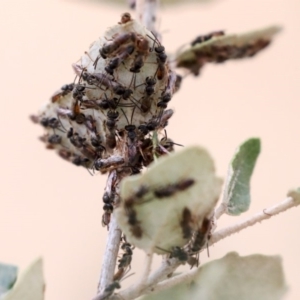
column 127, row 94
column 35, row 119
column 178, row 83
column 112, row 65
column 123, row 53
column 136, row 197
column 177, row 252
column 97, row 144
column 111, row 119
column 125, row 260
column 108, row 103
column 146, row 149
column 161, row 58
column 50, row 122
column 143, row 129
column 109, row 289
column 165, row 116
column 167, row 94
column 89, row 78
column 142, row 51
column 64, row 90
column 145, row 102
column 186, row 222
column 75, row 139
column 90, row 104
column 65, row 154
column 106, row 163
column 171, row 189
column 112, row 46
column 112, row 287
column 89, row 152
column 131, row 132
column 150, row 83
column 80, row 161
column 79, row 92
column 119, row 274
column 135, row 229
column 111, row 141
column 125, row 18
column 54, row 139
column 147, row 127
column 165, row 146
column 97, row 79
column 108, row 198
column 108, row 209
column 200, row 237
column 76, row 115
column 207, row 37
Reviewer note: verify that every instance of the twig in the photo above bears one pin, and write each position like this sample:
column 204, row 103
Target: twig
column 220, row 210
column 265, row 214
column 110, row 255
column 147, row 269
column 146, row 11
column 188, row 276
column 113, row 241
column 169, row 266
column 142, row 283
column 166, row 268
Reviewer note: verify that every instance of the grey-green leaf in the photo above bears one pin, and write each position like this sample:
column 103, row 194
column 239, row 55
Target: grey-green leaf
column 237, row 185
column 254, row 277
column 30, row 285
column 8, row 276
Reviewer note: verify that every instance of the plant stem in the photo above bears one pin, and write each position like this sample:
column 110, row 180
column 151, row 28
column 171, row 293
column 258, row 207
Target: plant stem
column 146, row 12
column 220, row 210
column 113, row 239
column 265, row 214
column 166, row 268
column 111, row 253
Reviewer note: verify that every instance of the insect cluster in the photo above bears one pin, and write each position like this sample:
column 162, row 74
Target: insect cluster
column 113, row 116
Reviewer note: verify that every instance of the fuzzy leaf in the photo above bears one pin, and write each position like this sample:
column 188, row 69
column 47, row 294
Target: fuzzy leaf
column 224, row 47
column 30, row 285
column 237, row 186
column 159, row 220
column 178, row 292
column 254, row 277
column 8, row 277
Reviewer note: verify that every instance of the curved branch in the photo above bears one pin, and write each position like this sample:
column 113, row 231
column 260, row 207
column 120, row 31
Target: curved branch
column 261, row 216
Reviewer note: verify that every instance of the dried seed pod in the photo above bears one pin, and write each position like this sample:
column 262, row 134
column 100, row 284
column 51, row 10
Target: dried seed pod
column 99, row 115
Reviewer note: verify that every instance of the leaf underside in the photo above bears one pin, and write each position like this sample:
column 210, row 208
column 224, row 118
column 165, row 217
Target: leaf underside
column 237, row 185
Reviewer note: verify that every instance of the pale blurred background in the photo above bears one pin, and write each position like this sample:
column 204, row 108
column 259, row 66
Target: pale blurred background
column 51, row 208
